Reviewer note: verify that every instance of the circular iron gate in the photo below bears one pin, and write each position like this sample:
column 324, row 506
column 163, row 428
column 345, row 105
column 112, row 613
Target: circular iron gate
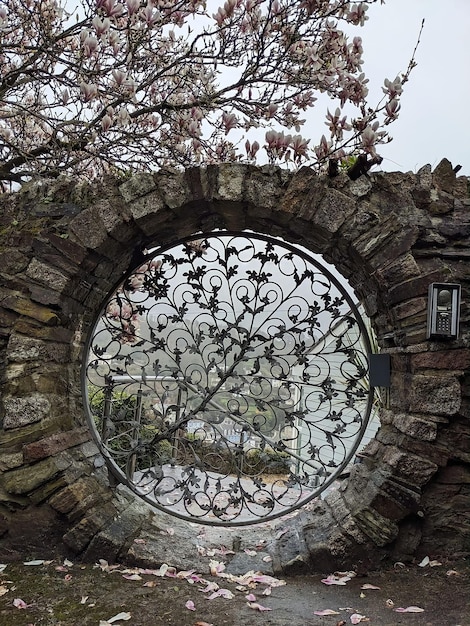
column 226, row 378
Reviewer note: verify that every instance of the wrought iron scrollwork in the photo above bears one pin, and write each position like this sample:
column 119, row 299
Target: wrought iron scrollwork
column 226, row 378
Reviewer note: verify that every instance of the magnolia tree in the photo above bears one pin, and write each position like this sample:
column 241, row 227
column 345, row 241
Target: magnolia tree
column 119, row 85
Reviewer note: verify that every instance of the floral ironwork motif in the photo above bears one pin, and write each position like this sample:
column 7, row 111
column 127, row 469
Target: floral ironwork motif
column 226, row 378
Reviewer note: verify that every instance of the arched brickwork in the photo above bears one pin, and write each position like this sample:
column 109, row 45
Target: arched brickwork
column 63, row 247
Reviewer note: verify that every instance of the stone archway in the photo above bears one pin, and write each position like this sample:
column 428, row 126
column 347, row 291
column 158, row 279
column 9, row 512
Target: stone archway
column 65, row 245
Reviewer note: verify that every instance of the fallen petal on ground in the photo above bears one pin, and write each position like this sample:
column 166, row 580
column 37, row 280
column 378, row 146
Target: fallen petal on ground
column 258, row 607
column 19, row 603
column 119, row 617
column 409, row 609
column 335, row 580
column 326, row 612
column 190, row 605
column 356, row 618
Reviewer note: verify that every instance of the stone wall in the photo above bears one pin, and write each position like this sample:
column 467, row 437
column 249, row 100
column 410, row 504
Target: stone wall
column 63, row 246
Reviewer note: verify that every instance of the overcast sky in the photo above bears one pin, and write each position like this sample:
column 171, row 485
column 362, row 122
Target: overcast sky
column 434, row 120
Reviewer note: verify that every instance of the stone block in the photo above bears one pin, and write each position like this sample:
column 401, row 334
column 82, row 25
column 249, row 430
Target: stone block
column 116, row 537
column 43, row 492
column 263, row 188
column 12, row 261
column 13, row 440
column 435, row 394
column 80, row 535
column 45, row 252
column 444, row 176
column 21, row 348
column 119, row 226
column 25, row 410
column 71, row 497
column 455, row 359
column 231, row 182
column 47, row 275
column 416, row 427
column 359, row 187
column 28, row 478
column 71, row 250
column 150, row 213
column 334, row 209
column 398, row 270
column 89, row 229
column 416, row 470
column 396, row 499
column 410, row 309
column 303, row 193
column 137, row 186
column 24, row 306
column 375, row 526
column 173, row 188
column 55, row 443
column 10, row 460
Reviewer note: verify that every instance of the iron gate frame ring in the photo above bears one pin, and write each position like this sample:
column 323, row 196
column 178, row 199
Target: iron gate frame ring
column 124, row 476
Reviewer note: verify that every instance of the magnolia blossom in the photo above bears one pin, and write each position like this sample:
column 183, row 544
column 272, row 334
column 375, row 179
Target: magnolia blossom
column 130, row 85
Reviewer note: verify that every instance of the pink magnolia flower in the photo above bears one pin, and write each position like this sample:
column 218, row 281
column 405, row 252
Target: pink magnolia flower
column 106, row 122
column 229, row 120
column 89, row 91
column 393, row 88
column 101, row 26
column 90, row 45
column 132, row 6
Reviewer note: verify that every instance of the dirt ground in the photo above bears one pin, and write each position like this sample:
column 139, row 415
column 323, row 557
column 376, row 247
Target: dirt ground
column 72, row 594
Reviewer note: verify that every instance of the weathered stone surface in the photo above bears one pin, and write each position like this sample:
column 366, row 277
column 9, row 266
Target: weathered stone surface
column 422, row 429
column 398, row 270
column 458, row 359
column 72, row 496
column 10, row 460
column 17, row 302
column 23, row 348
column 137, row 186
column 390, row 234
column 80, row 535
column 435, row 394
column 410, row 309
column 55, row 443
column 89, row 229
column 380, row 529
column 444, row 176
column 416, row 470
column 334, row 209
column 13, row 440
column 231, row 181
column 44, row 491
column 116, row 538
column 27, row 478
column 150, row 212
column 265, row 185
column 173, row 188
column 47, row 275
column 12, row 261
column 27, row 410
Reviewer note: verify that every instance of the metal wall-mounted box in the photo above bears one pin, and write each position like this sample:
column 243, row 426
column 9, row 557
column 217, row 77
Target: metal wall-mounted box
column 379, row 370
column 443, row 311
